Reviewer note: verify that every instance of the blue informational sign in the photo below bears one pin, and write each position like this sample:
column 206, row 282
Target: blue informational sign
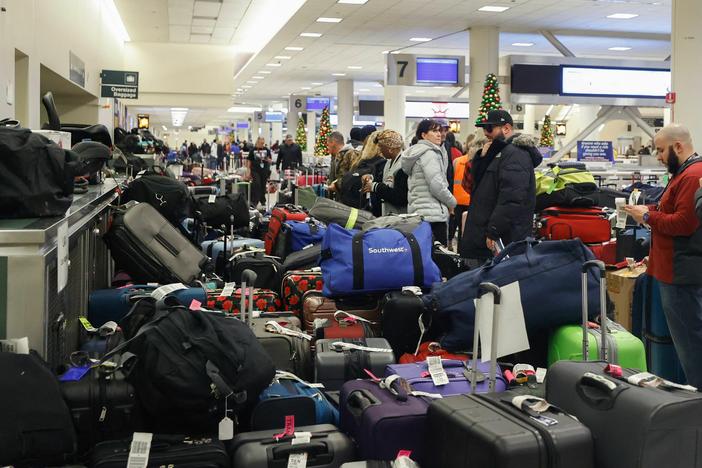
column 273, row 117
column 437, row 70
column 317, row 103
column 595, row 151
column 242, row 125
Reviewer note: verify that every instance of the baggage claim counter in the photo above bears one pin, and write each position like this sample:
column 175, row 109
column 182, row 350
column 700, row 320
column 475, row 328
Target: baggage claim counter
column 48, row 266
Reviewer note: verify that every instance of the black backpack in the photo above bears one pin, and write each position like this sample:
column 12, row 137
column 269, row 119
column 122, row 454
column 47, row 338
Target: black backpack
column 189, row 362
column 218, row 212
column 35, row 427
column 169, row 196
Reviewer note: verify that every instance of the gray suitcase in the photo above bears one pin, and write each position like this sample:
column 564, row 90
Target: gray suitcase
column 632, row 426
column 337, row 361
column 328, row 448
column 279, row 334
column 330, row 211
column 150, row 249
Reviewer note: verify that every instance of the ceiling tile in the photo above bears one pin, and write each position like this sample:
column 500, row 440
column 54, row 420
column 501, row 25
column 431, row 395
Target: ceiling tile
column 206, row 8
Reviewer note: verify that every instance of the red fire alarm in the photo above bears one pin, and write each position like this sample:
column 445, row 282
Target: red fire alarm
column 670, row 98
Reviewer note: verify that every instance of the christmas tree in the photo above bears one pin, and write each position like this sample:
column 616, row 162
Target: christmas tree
column 547, row 133
column 320, row 146
column 491, row 98
column 301, row 135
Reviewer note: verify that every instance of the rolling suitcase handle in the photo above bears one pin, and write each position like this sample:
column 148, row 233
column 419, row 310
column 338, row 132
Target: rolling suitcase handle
column 493, row 289
column 247, row 277
column 603, row 309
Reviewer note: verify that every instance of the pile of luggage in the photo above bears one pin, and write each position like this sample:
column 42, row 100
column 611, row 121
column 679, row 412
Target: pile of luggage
column 322, row 337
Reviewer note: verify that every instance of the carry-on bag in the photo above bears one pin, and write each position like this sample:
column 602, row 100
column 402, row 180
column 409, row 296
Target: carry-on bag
column 296, row 235
column 503, row 430
column 401, row 312
column 35, row 427
column 279, row 216
column 287, row 345
column 605, row 251
column 170, row 197
column 316, row 306
column 356, row 262
column 268, row 270
column 103, row 405
column 303, row 259
column 105, row 305
column 338, row 361
column 191, row 365
column 150, row 249
column 295, row 284
column 166, row 450
column 330, row 211
column 607, row 340
column 232, row 243
column 382, row 417
column 327, row 448
column 230, row 210
column 637, row 419
column 450, row 263
column 343, row 325
column 590, row 225
column 290, row 395
column 548, row 274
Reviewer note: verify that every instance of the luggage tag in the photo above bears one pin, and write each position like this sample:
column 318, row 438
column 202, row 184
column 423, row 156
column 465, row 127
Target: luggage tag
column 87, row 325
column 436, row 371
column 163, row 291
column 212, row 198
column 226, row 425
column 139, row 450
column 289, row 429
column 74, row 374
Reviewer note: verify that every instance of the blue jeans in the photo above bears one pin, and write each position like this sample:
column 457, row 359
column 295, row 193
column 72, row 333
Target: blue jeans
column 682, row 306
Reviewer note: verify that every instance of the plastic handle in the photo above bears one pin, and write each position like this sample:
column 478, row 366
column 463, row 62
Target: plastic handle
column 597, row 390
column 312, row 448
column 509, row 249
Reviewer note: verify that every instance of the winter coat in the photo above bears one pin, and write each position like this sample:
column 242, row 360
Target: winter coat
column 392, row 189
column 429, row 196
column 502, row 196
column 351, row 185
column 289, row 157
column 698, row 203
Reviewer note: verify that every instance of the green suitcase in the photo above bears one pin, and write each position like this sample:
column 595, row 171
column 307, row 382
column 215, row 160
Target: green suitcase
column 612, row 343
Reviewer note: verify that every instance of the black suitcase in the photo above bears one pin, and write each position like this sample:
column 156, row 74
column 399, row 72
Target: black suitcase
column 487, row 430
column 327, row 448
column 103, row 406
column 400, row 315
column 633, row 426
column 166, row 451
column 303, row 259
column 35, row 424
column 450, row 263
column 269, row 272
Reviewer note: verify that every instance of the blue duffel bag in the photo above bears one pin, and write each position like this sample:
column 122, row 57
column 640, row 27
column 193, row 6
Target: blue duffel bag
column 550, row 282
column 377, row 260
column 304, row 233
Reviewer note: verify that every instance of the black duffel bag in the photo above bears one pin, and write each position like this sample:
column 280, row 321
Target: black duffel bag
column 229, row 210
column 36, row 175
column 169, row 196
column 187, row 363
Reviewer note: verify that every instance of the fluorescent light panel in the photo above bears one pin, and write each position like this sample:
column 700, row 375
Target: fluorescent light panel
column 323, row 19
column 294, row 48
column 523, row 44
column 622, row 16
column 265, row 72
column 420, row 39
column 619, row 48
column 354, row 67
column 258, row 77
column 310, row 34
column 273, row 65
column 317, row 83
column 282, row 57
column 338, row 74
column 353, row 2
column 493, row 9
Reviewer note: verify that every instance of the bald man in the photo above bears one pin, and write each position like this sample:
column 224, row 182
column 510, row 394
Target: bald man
column 676, row 246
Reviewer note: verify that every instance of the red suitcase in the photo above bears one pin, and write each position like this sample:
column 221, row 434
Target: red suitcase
column 279, row 215
column 342, row 325
column 265, row 300
column 606, row 251
column 309, row 180
column 591, row 225
column 295, row 284
column 427, row 349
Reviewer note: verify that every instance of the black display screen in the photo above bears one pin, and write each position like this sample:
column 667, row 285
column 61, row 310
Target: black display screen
column 536, row 79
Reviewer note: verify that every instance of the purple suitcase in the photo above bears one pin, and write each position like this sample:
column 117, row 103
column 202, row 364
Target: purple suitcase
column 417, row 375
column 382, row 423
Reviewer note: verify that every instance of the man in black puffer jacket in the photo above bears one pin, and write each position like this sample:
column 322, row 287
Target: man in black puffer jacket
column 503, row 190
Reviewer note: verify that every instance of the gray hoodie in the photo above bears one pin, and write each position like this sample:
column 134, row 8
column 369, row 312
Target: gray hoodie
column 429, row 194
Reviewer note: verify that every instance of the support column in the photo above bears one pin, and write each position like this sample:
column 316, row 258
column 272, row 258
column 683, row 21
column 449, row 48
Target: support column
column 311, row 131
column 483, row 59
column 395, row 109
column 667, row 116
column 344, row 96
column 277, row 132
column 529, row 119
column 255, row 131
column 687, row 47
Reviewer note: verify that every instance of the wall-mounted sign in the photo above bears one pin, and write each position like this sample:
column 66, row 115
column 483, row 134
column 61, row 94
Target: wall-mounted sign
column 618, row 82
column 242, row 125
column 438, row 110
column 595, row 151
column 298, row 103
column 273, row 117
column 142, row 120
column 426, row 70
column 259, row 116
column 318, row 104
column 76, row 70
column 119, row 84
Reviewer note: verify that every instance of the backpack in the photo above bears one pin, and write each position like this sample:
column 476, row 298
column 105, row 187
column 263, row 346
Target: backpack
column 170, row 197
column 189, row 362
column 557, row 178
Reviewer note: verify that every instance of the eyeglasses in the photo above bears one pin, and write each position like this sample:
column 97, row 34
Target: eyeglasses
column 490, row 128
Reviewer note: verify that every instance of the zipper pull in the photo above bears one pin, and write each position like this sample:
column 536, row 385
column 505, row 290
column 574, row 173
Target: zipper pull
column 103, row 414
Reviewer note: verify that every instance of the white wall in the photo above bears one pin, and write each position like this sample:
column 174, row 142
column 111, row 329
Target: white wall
column 46, row 30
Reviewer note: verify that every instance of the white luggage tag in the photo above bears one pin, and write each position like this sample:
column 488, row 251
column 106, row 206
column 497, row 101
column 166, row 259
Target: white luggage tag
column 436, row 371
column 386, row 383
column 139, row 450
column 212, row 198
column 274, row 327
column 290, row 376
column 163, row 291
column 340, row 346
column 345, row 315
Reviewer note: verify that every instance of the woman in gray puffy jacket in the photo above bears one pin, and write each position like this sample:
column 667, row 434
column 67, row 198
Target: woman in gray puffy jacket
column 426, row 163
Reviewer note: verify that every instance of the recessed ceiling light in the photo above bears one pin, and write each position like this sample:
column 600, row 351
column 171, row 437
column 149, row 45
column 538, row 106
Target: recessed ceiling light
column 386, row 52
column 272, row 64
column 258, row 77
column 493, row 9
column 323, row 19
column 364, row 89
column 523, row 44
column 395, row 52
column 353, row 2
column 265, row 72
column 420, row 39
column 354, row 67
column 307, row 34
column 317, row 83
column 245, row 86
column 419, row 91
column 306, row 88
column 623, row 16
column 294, row 48
column 338, row 74
column 252, row 82
column 619, row 49
column 378, row 85
column 282, row 57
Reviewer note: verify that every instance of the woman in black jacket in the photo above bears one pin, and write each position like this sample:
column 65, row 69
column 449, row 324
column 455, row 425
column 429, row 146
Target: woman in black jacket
column 391, row 187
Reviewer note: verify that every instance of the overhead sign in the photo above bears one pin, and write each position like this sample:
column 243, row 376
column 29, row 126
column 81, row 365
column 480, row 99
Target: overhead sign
column 595, row 151
column 617, row 82
column 274, row 117
column 119, row 84
column 298, row 103
column 259, row 116
column 426, row 70
column 438, row 110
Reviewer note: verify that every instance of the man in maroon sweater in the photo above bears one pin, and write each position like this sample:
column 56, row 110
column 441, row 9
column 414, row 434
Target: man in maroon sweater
column 676, row 246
